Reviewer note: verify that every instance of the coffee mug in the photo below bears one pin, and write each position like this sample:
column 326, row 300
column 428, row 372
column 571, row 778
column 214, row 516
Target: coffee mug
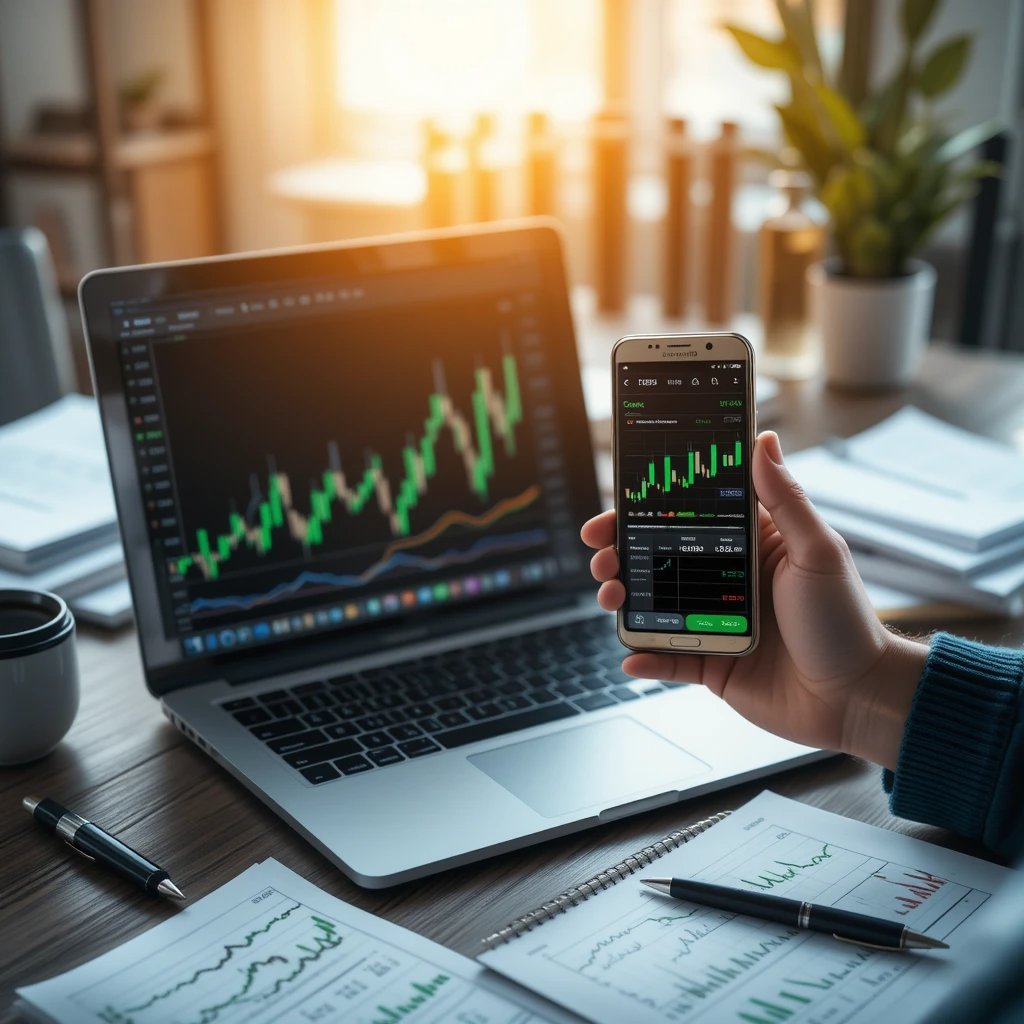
column 38, row 674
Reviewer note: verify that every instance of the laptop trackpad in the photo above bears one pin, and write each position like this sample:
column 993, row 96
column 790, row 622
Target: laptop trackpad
column 606, row 762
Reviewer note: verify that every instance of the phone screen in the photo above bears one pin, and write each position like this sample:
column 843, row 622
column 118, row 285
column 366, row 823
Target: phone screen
column 684, row 496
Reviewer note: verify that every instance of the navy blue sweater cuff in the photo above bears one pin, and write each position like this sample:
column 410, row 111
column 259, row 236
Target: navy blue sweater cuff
column 956, row 740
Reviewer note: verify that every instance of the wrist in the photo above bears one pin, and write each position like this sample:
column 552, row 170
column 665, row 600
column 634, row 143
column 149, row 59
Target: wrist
column 876, row 716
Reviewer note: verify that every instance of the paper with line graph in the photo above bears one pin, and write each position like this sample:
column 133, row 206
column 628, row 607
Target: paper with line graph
column 630, row 954
column 271, row 947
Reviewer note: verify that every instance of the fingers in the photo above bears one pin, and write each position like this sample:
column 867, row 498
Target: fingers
column 679, row 668
column 810, row 543
column 599, row 532
column 611, row 595
column 605, row 565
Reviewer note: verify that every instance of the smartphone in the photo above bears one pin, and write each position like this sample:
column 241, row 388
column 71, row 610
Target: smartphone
column 686, row 512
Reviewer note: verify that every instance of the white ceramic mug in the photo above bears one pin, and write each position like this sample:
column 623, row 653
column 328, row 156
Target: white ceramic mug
column 38, row 674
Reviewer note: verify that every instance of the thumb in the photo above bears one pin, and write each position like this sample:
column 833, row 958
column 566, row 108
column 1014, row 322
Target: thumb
column 812, row 544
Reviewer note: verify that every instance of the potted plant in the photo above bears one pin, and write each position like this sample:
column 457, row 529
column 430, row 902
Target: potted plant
column 889, row 174
column 139, row 109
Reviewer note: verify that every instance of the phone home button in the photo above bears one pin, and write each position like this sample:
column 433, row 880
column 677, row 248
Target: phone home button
column 684, row 641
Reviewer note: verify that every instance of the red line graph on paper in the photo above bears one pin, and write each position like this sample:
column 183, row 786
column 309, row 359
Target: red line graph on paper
column 918, row 886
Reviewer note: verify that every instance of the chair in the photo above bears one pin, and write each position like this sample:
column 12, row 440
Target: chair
column 36, row 365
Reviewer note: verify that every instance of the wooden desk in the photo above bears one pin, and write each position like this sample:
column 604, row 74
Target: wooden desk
column 123, row 765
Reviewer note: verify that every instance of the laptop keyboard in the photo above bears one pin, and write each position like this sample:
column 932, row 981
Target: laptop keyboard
column 365, row 720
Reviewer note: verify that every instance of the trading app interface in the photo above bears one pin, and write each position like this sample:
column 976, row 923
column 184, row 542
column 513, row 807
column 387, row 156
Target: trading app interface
column 323, row 454
column 684, row 480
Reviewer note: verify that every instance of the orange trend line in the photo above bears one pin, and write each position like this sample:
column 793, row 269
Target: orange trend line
column 528, row 496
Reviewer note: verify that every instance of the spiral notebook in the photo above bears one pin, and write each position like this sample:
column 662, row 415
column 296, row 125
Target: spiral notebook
column 612, row 950
column 602, row 880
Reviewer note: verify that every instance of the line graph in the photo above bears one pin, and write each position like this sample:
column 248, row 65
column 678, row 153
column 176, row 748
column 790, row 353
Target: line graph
column 494, row 414
column 395, row 555
column 271, row 957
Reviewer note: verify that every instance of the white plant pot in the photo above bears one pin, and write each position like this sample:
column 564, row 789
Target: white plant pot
column 873, row 331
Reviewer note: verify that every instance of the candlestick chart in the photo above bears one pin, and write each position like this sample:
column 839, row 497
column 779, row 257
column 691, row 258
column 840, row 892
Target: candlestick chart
column 494, row 414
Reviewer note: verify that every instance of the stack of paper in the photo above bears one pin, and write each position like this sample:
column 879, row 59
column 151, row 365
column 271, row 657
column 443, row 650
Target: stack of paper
column 58, row 524
column 926, row 507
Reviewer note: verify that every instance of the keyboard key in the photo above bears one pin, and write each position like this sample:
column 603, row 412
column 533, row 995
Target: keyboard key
column 404, row 732
column 417, row 748
column 385, row 756
column 252, row 716
column 237, row 705
column 285, row 708
column 517, row 703
column 568, row 689
column 298, row 741
column 623, row 693
column 593, row 701
column 321, row 773
column 315, row 719
column 351, row 709
column 450, row 719
column 483, row 711
column 305, row 688
column 616, row 675
column 282, row 727
column 593, row 683
column 587, row 668
column 512, row 687
column 274, row 695
column 500, row 726
column 421, row 710
column 541, row 696
column 432, row 724
column 671, row 684
column 324, row 752
column 453, row 703
column 372, row 722
column 375, row 739
column 342, row 731
column 558, row 675
column 396, row 717
column 354, row 765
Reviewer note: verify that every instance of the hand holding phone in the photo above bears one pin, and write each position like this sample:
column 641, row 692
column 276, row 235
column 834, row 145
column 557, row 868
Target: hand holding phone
column 826, row 672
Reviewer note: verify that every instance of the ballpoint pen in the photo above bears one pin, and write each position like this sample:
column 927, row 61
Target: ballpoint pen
column 840, row 924
column 95, row 844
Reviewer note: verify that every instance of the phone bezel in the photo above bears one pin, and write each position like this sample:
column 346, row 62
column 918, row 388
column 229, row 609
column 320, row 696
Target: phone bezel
column 734, row 347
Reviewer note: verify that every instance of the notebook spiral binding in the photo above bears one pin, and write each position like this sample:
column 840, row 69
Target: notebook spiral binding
column 603, row 880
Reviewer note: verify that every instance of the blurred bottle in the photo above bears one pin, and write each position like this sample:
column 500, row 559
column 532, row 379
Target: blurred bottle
column 719, row 286
column 541, row 165
column 789, row 244
column 485, row 168
column 611, row 223
column 676, row 231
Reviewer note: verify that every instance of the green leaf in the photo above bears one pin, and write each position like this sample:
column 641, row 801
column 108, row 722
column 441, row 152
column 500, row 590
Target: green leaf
column 765, row 53
column 843, row 117
column 969, row 139
column 914, row 17
column 815, row 151
column 871, row 250
column 799, row 27
column 943, row 66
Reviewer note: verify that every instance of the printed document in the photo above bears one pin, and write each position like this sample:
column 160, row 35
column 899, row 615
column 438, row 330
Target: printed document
column 631, row 954
column 271, row 947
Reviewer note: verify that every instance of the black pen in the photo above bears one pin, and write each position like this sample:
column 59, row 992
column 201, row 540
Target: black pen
column 840, row 924
column 95, row 844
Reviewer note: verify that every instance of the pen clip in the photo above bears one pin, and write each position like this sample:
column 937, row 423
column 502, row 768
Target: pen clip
column 869, row 945
column 78, row 851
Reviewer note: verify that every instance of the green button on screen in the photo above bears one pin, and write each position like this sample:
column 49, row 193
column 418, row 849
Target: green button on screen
column 716, row 623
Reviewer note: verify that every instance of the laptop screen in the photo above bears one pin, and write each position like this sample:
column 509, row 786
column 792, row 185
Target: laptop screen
column 335, row 452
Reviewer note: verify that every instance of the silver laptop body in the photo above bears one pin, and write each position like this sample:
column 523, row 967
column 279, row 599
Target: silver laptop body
column 350, row 481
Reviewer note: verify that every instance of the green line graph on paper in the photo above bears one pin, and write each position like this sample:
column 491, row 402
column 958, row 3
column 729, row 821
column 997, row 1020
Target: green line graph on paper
column 770, row 877
column 495, row 414
column 262, row 955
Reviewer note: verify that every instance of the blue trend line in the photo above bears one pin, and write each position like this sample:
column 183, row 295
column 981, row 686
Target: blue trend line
column 486, row 545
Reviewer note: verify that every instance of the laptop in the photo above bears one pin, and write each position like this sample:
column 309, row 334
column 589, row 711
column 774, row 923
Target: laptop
column 350, row 481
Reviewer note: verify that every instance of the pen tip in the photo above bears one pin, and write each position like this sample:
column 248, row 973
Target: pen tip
column 30, row 803
column 661, row 884
column 170, row 890
column 915, row 940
